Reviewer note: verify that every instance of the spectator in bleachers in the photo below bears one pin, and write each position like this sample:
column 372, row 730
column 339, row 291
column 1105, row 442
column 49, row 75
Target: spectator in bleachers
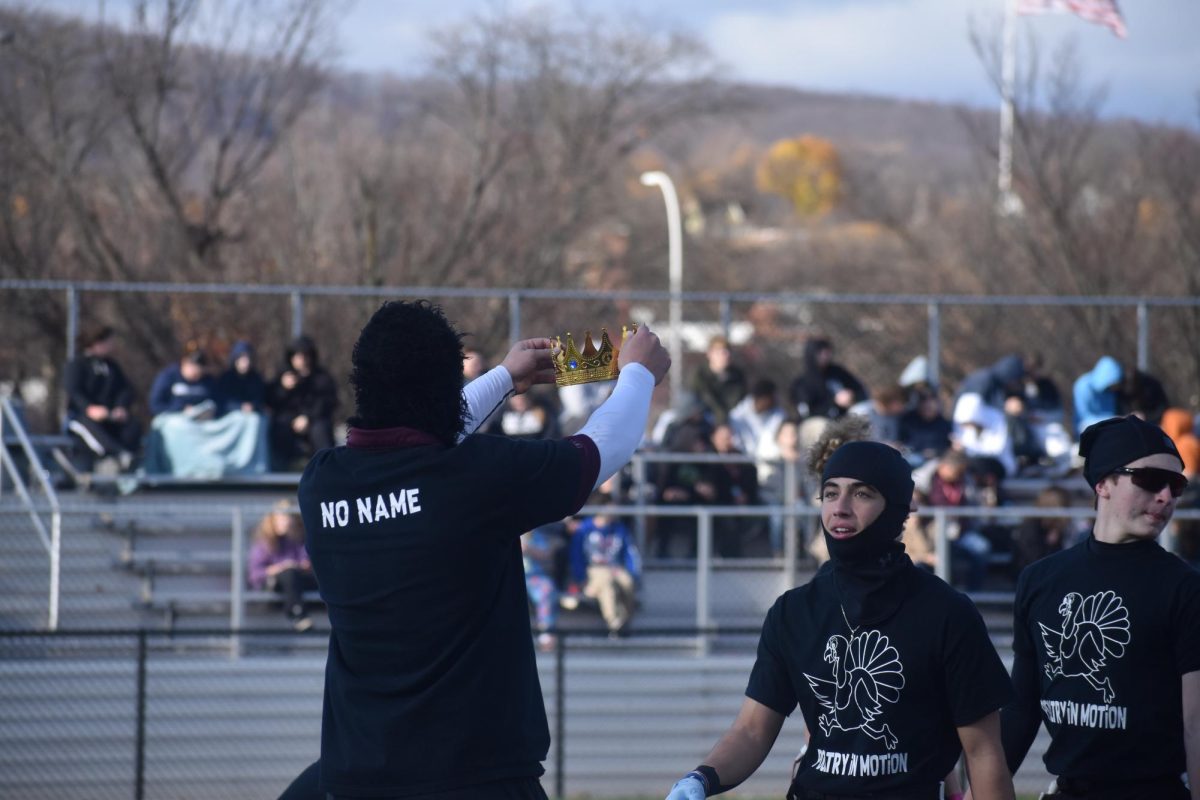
column 578, row 402
column 1045, row 417
column 1027, row 449
column 883, row 412
column 756, row 419
column 540, row 549
column 736, row 485
column 924, row 430
column 995, row 383
column 186, row 440
column 952, row 486
column 981, row 427
column 783, row 450
column 302, row 400
column 919, row 544
column 1144, row 396
column 241, row 386
column 1043, row 400
column 99, row 399
column 981, row 432
column 916, row 380
column 279, row 563
column 526, row 416
column 1178, row 424
column 683, row 484
column 1096, row 393
column 474, row 365
column 718, row 383
column 686, row 414
column 185, row 387
column 825, row 388
column 606, row 565
column 1038, row 537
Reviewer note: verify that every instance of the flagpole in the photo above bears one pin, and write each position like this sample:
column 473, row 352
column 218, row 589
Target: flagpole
column 1007, row 203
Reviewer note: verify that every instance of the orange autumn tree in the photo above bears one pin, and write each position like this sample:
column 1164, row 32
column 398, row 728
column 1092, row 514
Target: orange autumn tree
column 806, row 171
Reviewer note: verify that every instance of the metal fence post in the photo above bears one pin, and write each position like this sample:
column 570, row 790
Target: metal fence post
column 791, row 544
column 704, row 542
column 55, row 567
column 140, row 735
column 941, row 544
column 237, row 575
column 639, row 482
column 1143, row 342
column 514, row 317
column 297, row 314
column 726, row 316
column 560, row 715
column 935, row 343
column 72, row 321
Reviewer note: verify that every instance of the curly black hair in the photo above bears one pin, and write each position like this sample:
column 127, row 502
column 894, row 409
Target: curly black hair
column 408, row 371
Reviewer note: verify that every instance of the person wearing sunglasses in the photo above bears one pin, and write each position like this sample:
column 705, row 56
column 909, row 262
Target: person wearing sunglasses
column 1106, row 643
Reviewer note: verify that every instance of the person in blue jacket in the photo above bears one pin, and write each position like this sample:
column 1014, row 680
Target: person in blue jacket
column 1096, row 393
column 606, row 564
column 184, row 386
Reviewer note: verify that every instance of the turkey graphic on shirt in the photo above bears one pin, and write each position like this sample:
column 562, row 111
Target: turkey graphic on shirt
column 1094, row 629
column 866, row 674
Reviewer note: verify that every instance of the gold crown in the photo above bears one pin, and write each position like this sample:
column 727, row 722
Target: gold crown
column 573, row 367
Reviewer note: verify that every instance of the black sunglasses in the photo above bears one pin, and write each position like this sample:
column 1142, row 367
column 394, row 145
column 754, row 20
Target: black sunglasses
column 1153, row 479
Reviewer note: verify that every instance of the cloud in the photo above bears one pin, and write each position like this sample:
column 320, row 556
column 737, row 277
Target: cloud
column 920, row 49
column 908, row 47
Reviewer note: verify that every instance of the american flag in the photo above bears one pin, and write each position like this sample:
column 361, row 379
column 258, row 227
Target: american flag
column 1104, row 12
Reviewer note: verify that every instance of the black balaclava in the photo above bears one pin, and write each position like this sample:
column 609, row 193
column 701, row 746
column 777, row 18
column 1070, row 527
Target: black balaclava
column 868, row 567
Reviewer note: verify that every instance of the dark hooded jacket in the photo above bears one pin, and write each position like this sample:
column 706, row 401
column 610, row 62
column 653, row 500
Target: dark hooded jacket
column 234, row 388
column 314, row 396
column 812, row 393
column 995, row 382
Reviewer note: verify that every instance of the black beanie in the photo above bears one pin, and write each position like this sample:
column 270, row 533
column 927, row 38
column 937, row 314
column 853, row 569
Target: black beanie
column 1109, row 445
column 883, row 468
column 874, row 464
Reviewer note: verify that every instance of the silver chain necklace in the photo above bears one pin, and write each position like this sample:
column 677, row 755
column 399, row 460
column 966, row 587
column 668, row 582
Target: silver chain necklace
column 853, row 630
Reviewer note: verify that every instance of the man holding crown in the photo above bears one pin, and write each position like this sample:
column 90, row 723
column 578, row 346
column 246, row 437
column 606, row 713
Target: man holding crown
column 431, row 687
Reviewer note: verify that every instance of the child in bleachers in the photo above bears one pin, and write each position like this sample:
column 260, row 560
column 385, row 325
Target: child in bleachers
column 278, row 562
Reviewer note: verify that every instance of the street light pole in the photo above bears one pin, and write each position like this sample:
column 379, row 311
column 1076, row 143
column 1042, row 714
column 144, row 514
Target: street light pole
column 675, row 261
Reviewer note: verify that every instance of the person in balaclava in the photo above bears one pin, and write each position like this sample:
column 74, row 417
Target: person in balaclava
column 892, row 669
column 1106, row 644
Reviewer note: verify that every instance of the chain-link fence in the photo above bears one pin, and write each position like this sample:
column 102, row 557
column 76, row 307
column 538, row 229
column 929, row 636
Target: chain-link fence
column 214, row 714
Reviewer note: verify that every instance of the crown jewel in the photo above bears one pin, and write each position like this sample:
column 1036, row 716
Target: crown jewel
column 573, row 366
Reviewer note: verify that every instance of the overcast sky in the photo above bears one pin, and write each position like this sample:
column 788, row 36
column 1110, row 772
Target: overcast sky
column 905, row 48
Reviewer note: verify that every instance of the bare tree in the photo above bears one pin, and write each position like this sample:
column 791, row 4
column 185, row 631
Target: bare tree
column 131, row 149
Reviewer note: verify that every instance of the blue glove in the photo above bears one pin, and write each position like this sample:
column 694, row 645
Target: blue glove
column 687, row 788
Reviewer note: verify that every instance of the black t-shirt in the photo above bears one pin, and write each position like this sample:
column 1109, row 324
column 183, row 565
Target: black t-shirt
column 1103, row 633
column 431, row 682
column 882, row 707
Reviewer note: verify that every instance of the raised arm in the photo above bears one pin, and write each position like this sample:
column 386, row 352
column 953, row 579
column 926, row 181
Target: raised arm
column 527, row 363
column 617, row 426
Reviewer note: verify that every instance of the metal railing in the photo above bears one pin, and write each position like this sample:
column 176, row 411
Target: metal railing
column 725, row 301
column 641, row 509
column 51, row 538
column 705, row 561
